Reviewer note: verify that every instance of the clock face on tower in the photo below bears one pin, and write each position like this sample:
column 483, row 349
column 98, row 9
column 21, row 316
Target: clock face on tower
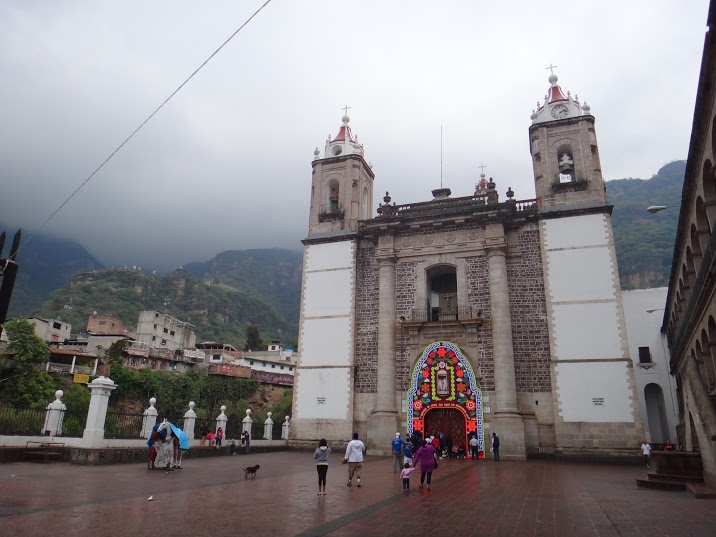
column 560, row 111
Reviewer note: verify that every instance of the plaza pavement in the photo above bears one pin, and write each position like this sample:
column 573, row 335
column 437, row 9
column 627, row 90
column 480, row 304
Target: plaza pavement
column 211, row 498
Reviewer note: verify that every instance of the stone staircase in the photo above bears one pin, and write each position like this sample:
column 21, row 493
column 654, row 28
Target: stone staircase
column 676, row 470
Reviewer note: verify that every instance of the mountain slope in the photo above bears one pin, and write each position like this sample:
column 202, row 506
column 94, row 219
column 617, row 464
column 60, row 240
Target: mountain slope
column 645, row 242
column 45, row 264
column 220, row 304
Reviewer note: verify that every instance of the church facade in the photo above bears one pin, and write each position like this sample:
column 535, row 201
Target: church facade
column 468, row 315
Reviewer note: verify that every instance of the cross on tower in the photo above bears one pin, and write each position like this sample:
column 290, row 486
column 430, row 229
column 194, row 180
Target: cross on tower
column 345, row 110
column 551, row 67
column 482, row 167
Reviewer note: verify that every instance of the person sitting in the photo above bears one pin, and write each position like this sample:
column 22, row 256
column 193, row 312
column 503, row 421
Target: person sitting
column 461, row 451
column 211, row 439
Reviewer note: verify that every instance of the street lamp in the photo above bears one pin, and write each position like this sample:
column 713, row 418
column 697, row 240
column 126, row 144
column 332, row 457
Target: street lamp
column 657, row 309
column 656, row 208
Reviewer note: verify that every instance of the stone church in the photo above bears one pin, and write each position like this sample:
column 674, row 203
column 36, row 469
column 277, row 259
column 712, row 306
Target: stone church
column 467, row 315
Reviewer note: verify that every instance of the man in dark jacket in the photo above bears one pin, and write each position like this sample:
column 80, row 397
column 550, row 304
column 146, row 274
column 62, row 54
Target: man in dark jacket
column 496, row 446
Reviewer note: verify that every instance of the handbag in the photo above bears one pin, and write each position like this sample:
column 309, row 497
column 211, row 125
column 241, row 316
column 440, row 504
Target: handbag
column 344, row 461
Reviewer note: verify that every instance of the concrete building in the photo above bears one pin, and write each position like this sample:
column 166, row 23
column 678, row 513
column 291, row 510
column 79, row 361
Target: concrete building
column 162, row 331
column 273, row 366
column 51, row 330
column 689, row 320
column 656, row 388
column 104, row 325
column 468, row 315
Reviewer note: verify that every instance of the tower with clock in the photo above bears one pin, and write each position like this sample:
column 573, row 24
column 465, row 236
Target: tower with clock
column 565, row 156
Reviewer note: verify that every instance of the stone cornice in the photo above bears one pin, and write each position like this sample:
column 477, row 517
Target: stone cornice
column 343, row 158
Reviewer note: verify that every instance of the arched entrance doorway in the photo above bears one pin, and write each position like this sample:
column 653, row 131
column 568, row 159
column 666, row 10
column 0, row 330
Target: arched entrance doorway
column 444, row 396
column 656, row 413
column 449, row 421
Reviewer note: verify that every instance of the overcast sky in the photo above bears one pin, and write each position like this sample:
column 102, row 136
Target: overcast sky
column 227, row 163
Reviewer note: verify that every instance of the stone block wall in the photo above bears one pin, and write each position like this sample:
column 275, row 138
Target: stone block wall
column 528, row 308
column 366, row 336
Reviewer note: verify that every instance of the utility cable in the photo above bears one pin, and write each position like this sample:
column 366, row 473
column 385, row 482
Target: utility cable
column 87, row 180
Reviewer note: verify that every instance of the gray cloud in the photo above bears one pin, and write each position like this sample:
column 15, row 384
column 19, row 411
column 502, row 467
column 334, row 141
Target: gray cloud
column 227, row 163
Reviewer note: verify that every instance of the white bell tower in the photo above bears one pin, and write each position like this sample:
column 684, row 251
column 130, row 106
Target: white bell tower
column 342, row 184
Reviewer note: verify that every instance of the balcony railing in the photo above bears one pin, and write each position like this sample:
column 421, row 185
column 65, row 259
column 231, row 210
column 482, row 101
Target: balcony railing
column 434, row 315
column 332, row 210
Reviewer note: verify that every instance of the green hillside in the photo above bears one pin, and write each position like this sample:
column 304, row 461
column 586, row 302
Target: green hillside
column 644, row 241
column 220, row 304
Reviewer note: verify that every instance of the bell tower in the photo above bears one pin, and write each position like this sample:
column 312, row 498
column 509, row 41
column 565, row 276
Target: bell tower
column 565, row 155
column 341, row 196
column 342, row 184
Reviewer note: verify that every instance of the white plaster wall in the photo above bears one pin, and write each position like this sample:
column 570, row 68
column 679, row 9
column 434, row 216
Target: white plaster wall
column 330, row 384
column 576, row 231
column 644, row 330
column 326, row 342
column 579, row 383
column 328, row 293
column 583, row 274
column 329, row 256
column 586, row 331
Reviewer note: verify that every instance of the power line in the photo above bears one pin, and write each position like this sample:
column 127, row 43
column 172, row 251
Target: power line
column 87, row 180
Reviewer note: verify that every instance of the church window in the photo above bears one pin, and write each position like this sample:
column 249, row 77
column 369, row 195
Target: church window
column 644, row 355
column 442, row 293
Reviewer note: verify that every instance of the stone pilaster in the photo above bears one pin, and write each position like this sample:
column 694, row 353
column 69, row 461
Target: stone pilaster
column 506, row 420
column 383, row 422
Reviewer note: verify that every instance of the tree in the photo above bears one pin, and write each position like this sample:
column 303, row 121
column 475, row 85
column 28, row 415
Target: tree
column 114, row 355
column 22, row 383
column 253, row 339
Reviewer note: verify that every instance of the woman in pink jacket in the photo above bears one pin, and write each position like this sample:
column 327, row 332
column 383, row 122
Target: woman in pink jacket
column 426, row 458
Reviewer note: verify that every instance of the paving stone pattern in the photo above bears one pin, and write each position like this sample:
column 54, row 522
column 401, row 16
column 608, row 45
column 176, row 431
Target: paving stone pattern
column 211, row 497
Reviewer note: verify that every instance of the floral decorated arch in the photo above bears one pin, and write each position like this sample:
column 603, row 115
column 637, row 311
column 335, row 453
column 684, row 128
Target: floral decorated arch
column 443, row 379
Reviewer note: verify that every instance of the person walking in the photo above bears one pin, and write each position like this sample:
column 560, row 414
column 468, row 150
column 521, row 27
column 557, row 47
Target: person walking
column 405, row 476
column 397, row 445
column 425, row 457
column 496, row 447
column 408, row 453
column 321, row 456
column 354, row 458
column 204, row 432
column 246, row 441
column 646, row 452
column 474, row 446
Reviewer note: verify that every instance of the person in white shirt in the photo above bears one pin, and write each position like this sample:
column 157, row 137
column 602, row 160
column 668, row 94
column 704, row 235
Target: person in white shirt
column 354, row 458
column 646, row 452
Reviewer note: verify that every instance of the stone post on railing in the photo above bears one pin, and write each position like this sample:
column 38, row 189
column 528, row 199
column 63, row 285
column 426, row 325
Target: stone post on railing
column 101, row 389
column 150, row 419
column 190, row 420
column 54, row 415
column 247, row 422
column 285, row 429
column 268, row 427
column 221, row 420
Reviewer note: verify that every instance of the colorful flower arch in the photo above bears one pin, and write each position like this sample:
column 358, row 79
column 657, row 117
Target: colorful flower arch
column 443, row 378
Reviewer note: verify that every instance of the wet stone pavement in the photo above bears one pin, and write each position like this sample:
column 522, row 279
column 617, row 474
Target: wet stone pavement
column 211, row 497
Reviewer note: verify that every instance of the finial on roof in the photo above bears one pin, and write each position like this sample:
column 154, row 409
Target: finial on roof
column 586, row 108
column 345, row 117
column 315, row 154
